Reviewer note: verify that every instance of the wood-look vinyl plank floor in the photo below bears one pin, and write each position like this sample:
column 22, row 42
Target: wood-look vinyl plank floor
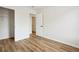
column 35, row 44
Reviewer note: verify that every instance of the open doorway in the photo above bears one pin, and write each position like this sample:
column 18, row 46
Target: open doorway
column 37, row 24
column 7, row 23
column 33, row 25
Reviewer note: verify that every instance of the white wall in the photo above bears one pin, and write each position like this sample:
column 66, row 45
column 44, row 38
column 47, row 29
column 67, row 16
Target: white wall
column 39, row 23
column 11, row 23
column 4, row 28
column 61, row 24
column 6, row 23
column 22, row 22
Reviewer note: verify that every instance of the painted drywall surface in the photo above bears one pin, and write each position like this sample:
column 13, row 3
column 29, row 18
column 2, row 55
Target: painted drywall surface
column 61, row 24
column 22, row 22
column 4, row 28
column 11, row 23
column 39, row 28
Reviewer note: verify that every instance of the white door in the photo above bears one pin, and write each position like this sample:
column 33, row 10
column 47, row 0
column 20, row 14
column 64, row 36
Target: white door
column 39, row 25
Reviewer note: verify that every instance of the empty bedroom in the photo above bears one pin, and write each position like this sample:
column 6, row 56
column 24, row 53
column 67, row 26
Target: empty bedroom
column 39, row 29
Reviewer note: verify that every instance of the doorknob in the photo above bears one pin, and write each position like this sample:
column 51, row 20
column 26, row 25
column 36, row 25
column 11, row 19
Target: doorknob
column 41, row 26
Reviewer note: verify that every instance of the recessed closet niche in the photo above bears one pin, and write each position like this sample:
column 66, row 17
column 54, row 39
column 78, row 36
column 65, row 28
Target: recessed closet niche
column 6, row 23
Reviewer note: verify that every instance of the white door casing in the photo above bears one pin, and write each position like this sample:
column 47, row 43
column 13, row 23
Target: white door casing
column 39, row 24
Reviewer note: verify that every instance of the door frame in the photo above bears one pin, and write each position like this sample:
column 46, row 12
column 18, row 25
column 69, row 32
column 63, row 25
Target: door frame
column 32, row 15
column 41, row 25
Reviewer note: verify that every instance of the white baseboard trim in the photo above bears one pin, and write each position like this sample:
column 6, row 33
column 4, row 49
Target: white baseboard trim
column 67, row 43
column 18, row 39
column 4, row 38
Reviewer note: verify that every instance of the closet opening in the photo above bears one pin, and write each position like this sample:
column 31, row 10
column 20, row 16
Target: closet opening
column 6, row 23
